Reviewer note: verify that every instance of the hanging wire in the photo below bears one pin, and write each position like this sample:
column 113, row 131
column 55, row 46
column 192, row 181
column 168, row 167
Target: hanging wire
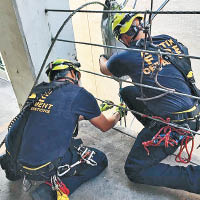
column 143, row 55
column 150, row 17
column 159, row 9
column 134, row 5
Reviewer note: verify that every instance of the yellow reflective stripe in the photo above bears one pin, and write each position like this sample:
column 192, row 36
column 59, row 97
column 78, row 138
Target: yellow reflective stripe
column 182, row 120
column 28, row 168
column 185, row 111
column 186, row 119
column 190, row 74
column 60, row 67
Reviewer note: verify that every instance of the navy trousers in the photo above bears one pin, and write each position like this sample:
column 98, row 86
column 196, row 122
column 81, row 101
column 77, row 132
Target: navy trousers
column 85, row 172
column 147, row 169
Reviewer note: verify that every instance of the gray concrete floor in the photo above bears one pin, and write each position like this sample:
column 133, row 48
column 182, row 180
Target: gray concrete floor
column 112, row 183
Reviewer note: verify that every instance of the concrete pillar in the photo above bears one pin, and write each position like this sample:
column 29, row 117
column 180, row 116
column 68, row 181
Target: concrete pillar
column 14, row 51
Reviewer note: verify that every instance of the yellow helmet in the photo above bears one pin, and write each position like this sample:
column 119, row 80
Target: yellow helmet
column 61, row 65
column 122, row 22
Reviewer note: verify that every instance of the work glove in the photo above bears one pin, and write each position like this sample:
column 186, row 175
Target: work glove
column 122, row 110
column 106, row 105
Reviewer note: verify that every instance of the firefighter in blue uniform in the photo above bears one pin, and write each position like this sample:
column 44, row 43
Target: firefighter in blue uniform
column 141, row 167
column 48, row 150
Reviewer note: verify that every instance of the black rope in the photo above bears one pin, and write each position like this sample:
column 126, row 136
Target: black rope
column 58, row 33
column 129, row 49
column 143, row 56
column 120, row 11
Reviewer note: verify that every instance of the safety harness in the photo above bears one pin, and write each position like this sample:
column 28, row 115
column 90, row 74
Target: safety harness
column 168, row 135
column 48, row 171
column 86, row 156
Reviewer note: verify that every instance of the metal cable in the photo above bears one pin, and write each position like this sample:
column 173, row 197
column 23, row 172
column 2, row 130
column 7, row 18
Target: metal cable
column 119, row 11
column 141, row 85
column 129, row 49
column 150, row 117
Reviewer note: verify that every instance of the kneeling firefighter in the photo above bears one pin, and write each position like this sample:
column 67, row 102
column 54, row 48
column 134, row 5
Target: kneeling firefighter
column 156, row 140
column 40, row 144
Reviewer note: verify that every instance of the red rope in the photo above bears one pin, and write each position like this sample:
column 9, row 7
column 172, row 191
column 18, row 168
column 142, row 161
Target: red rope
column 158, row 139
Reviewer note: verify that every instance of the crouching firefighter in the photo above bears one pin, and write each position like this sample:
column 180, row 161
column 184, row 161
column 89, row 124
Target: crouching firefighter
column 156, row 140
column 40, row 143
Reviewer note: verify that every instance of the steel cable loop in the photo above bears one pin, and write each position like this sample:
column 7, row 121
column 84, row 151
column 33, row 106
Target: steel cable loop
column 150, row 117
column 129, row 49
column 120, row 11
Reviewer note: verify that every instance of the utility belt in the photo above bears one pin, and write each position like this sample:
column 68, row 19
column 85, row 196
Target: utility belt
column 80, row 154
column 190, row 117
column 186, row 115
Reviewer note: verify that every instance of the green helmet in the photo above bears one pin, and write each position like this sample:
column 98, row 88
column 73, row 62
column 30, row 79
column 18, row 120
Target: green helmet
column 122, row 23
column 61, row 65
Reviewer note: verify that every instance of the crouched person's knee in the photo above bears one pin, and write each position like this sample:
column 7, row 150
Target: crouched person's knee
column 7, row 165
column 132, row 170
column 100, row 158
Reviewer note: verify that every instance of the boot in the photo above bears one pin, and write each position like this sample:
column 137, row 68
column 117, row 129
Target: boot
column 43, row 192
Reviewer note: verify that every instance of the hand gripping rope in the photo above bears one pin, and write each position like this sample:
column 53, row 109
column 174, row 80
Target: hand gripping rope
column 166, row 139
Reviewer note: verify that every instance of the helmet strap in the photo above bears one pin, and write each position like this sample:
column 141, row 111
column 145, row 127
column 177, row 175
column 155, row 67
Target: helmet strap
column 134, row 31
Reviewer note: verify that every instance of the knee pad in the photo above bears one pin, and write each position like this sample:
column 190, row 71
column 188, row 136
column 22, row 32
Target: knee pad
column 132, row 171
column 12, row 174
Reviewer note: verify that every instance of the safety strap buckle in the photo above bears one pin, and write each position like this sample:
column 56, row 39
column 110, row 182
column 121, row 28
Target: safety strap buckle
column 64, row 169
column 87, row 155
column 27, row 184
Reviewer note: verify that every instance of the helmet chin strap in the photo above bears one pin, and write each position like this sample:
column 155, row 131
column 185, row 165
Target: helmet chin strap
column 133, row 31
